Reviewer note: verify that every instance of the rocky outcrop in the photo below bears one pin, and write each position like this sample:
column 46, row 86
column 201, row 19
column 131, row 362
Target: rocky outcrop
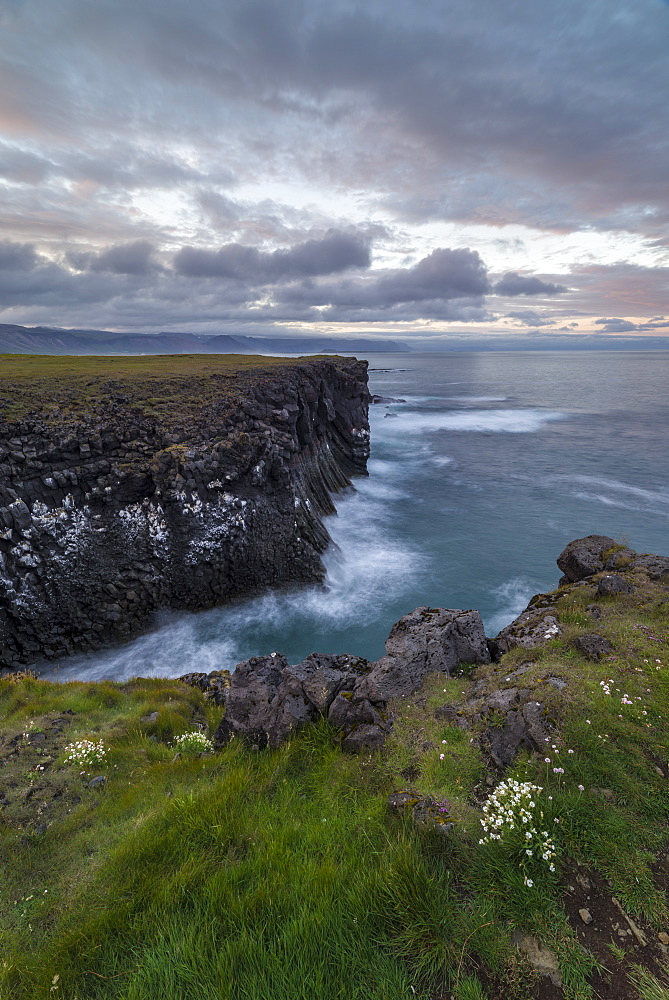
column 426, row 641
column 585, row 560
column 585, row 557
column 533, row 627
column 268, row 698
column 164, row 483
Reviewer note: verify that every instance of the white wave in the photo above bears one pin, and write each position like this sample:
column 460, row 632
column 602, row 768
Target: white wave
column 442, row 460
column 652, row 496
column 509, row 599
column 380, row 467
column 366, row 567
column 477, row 399
column 620, row 502
column 486, row 421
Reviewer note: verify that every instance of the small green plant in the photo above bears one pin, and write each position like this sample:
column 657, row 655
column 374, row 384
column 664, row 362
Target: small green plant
column 618, row 953
column 469, row 988
column 85, row 753
column 193, row 742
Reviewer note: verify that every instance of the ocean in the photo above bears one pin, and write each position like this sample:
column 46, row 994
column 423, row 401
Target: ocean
column 477, row 480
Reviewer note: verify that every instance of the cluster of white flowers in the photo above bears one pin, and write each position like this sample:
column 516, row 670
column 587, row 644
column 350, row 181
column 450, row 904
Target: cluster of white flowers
column 85, row 753
column 512, row 814
column 193, row 742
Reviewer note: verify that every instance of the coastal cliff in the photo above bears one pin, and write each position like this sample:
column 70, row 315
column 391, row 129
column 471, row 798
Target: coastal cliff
column 133, row 484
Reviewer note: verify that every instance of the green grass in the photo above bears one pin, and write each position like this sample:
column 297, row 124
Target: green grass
column 64, row 388
column 281, row 875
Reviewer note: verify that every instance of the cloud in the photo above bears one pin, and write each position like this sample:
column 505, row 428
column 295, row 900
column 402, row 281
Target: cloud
column 126, row 126
column 624, row 289
column 334, row 253
column 127, row 258
column 443, row 275
column 616, row 325
column 520, row 284
column 122, row 286
column 17, row 256
column 528, row 317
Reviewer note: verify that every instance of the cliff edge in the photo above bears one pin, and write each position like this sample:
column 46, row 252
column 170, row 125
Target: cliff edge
column 132, row 484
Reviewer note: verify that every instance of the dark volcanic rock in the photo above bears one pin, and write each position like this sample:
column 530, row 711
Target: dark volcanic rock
column 178, row 490
column 364, row 737
column 268, row 699
column 613, row 584
column 583, row 557
column 655, row 566
column 214, row 685
column 426, row 641
column 260, row 708
column 525, row 728
column 532, row 628
column 593, row 646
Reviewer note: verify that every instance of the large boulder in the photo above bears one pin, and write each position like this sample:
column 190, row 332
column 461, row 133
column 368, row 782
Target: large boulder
column 533, row 627
column 426, row 641
column 262, row 705
column 584, row 557
column 613, row 584
column 593, row 646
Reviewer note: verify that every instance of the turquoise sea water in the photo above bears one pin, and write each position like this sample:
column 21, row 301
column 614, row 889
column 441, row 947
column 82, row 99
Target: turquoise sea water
column 477, row 481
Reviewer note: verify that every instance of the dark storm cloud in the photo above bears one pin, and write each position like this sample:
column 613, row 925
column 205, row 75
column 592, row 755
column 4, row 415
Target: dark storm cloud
column 128, row 258
column 521, row 284
column 333, row 253
column 127, row 123
column 616, row 325
column 17, row 256
column 430, row 288
column 528, row 317
column 127, row 288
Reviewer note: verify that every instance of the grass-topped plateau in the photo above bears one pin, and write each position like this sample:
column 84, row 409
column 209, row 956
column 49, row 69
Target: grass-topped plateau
column 158, row 869
column 65, row 387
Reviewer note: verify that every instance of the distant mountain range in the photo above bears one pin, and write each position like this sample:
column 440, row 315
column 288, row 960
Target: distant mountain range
column 51, row 340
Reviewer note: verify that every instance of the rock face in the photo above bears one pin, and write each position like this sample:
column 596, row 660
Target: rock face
column 122, row 494
column 533, row 627
column 268, row 699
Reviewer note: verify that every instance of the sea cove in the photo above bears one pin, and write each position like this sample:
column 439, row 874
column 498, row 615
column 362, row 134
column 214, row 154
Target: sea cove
column 490, row 465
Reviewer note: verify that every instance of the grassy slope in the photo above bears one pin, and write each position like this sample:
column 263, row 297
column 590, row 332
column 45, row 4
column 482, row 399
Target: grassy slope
column 281, row 876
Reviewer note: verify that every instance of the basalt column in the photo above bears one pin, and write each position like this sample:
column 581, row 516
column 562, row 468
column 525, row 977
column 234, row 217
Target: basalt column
column 133, row 484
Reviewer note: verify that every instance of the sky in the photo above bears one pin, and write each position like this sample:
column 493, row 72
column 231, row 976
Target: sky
column 432, row 171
